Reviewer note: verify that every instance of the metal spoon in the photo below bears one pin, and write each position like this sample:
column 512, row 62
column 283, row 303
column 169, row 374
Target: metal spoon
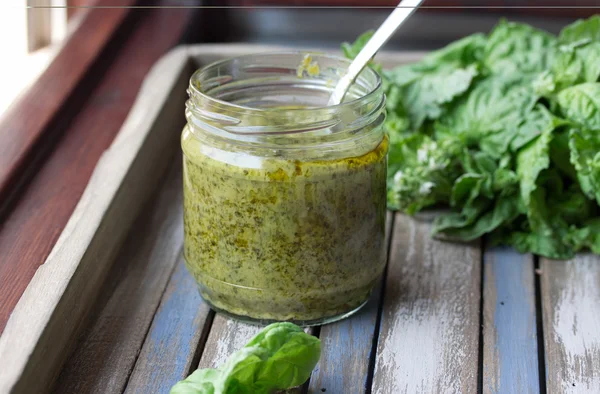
column 382, row 35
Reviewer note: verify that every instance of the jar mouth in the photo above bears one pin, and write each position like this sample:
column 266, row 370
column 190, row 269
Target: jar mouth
column 281, row 93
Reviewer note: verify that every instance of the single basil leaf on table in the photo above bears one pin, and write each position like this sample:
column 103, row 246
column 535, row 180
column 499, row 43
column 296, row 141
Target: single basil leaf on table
column 202, row 381
column 292, row 355
column 280, row 357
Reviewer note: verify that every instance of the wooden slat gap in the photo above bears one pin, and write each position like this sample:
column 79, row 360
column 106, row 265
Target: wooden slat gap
column 539, row 321
column 162, row 294
column 202, row 343
column 373, row 353
column 315, row 331
column 482, row 245
column 134, row 254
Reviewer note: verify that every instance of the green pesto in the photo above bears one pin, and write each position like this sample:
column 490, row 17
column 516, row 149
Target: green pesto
column 297, row 240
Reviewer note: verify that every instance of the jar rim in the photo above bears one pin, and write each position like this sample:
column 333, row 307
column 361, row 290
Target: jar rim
column 365, row 73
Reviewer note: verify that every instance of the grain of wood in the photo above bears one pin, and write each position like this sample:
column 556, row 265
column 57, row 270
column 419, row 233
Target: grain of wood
column 510, row 351
column 226, row 336
column 346, row 347
column 176, row 333
column 52, row 310
column 570, row 293
column 113, row 341
column 429, row 336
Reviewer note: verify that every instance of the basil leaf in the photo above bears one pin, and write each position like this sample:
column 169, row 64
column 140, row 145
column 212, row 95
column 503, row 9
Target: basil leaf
column 517, row 49
column 581, row 104
column 280, row 357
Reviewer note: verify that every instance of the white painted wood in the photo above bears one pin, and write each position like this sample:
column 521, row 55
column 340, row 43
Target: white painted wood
column 226, row 337
column 571, row 315
column 429, row 336
column 51, row 311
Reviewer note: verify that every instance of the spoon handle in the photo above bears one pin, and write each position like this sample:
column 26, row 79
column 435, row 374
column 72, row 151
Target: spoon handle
column 382, row 35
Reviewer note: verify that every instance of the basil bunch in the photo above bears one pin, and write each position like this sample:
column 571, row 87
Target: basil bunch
column 502, row 129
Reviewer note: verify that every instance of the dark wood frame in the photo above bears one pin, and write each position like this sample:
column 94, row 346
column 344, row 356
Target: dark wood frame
column 53, row 136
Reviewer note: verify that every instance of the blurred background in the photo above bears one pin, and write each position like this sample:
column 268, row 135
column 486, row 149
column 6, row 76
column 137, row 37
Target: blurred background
column 33, row 30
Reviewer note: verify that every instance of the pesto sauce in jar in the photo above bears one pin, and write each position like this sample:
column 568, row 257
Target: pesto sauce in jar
column 285, row 239
column 284, row 196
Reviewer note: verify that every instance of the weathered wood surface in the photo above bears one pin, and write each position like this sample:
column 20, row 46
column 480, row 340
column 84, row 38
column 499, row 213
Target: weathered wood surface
column 226, row 336
column 510, row 343
column 175, row 339
column 429, row 335
column 571, row 314
column 49, row 315
column 347, row 347
column 134, row 289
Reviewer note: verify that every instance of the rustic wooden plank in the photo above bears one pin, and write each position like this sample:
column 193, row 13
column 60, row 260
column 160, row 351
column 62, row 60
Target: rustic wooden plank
column 429, row 336
column 347, row 347
column 31, row 229
column 510, row 350
column 226, row 337
column 177, row 331
column 54, row 306
column 111, row 344
column 570, row 293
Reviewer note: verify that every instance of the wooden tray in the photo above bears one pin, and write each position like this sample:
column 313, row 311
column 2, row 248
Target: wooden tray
column 113, row 309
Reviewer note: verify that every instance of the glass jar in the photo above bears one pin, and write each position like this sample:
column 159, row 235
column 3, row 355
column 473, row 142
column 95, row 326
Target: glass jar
column 284, row 196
